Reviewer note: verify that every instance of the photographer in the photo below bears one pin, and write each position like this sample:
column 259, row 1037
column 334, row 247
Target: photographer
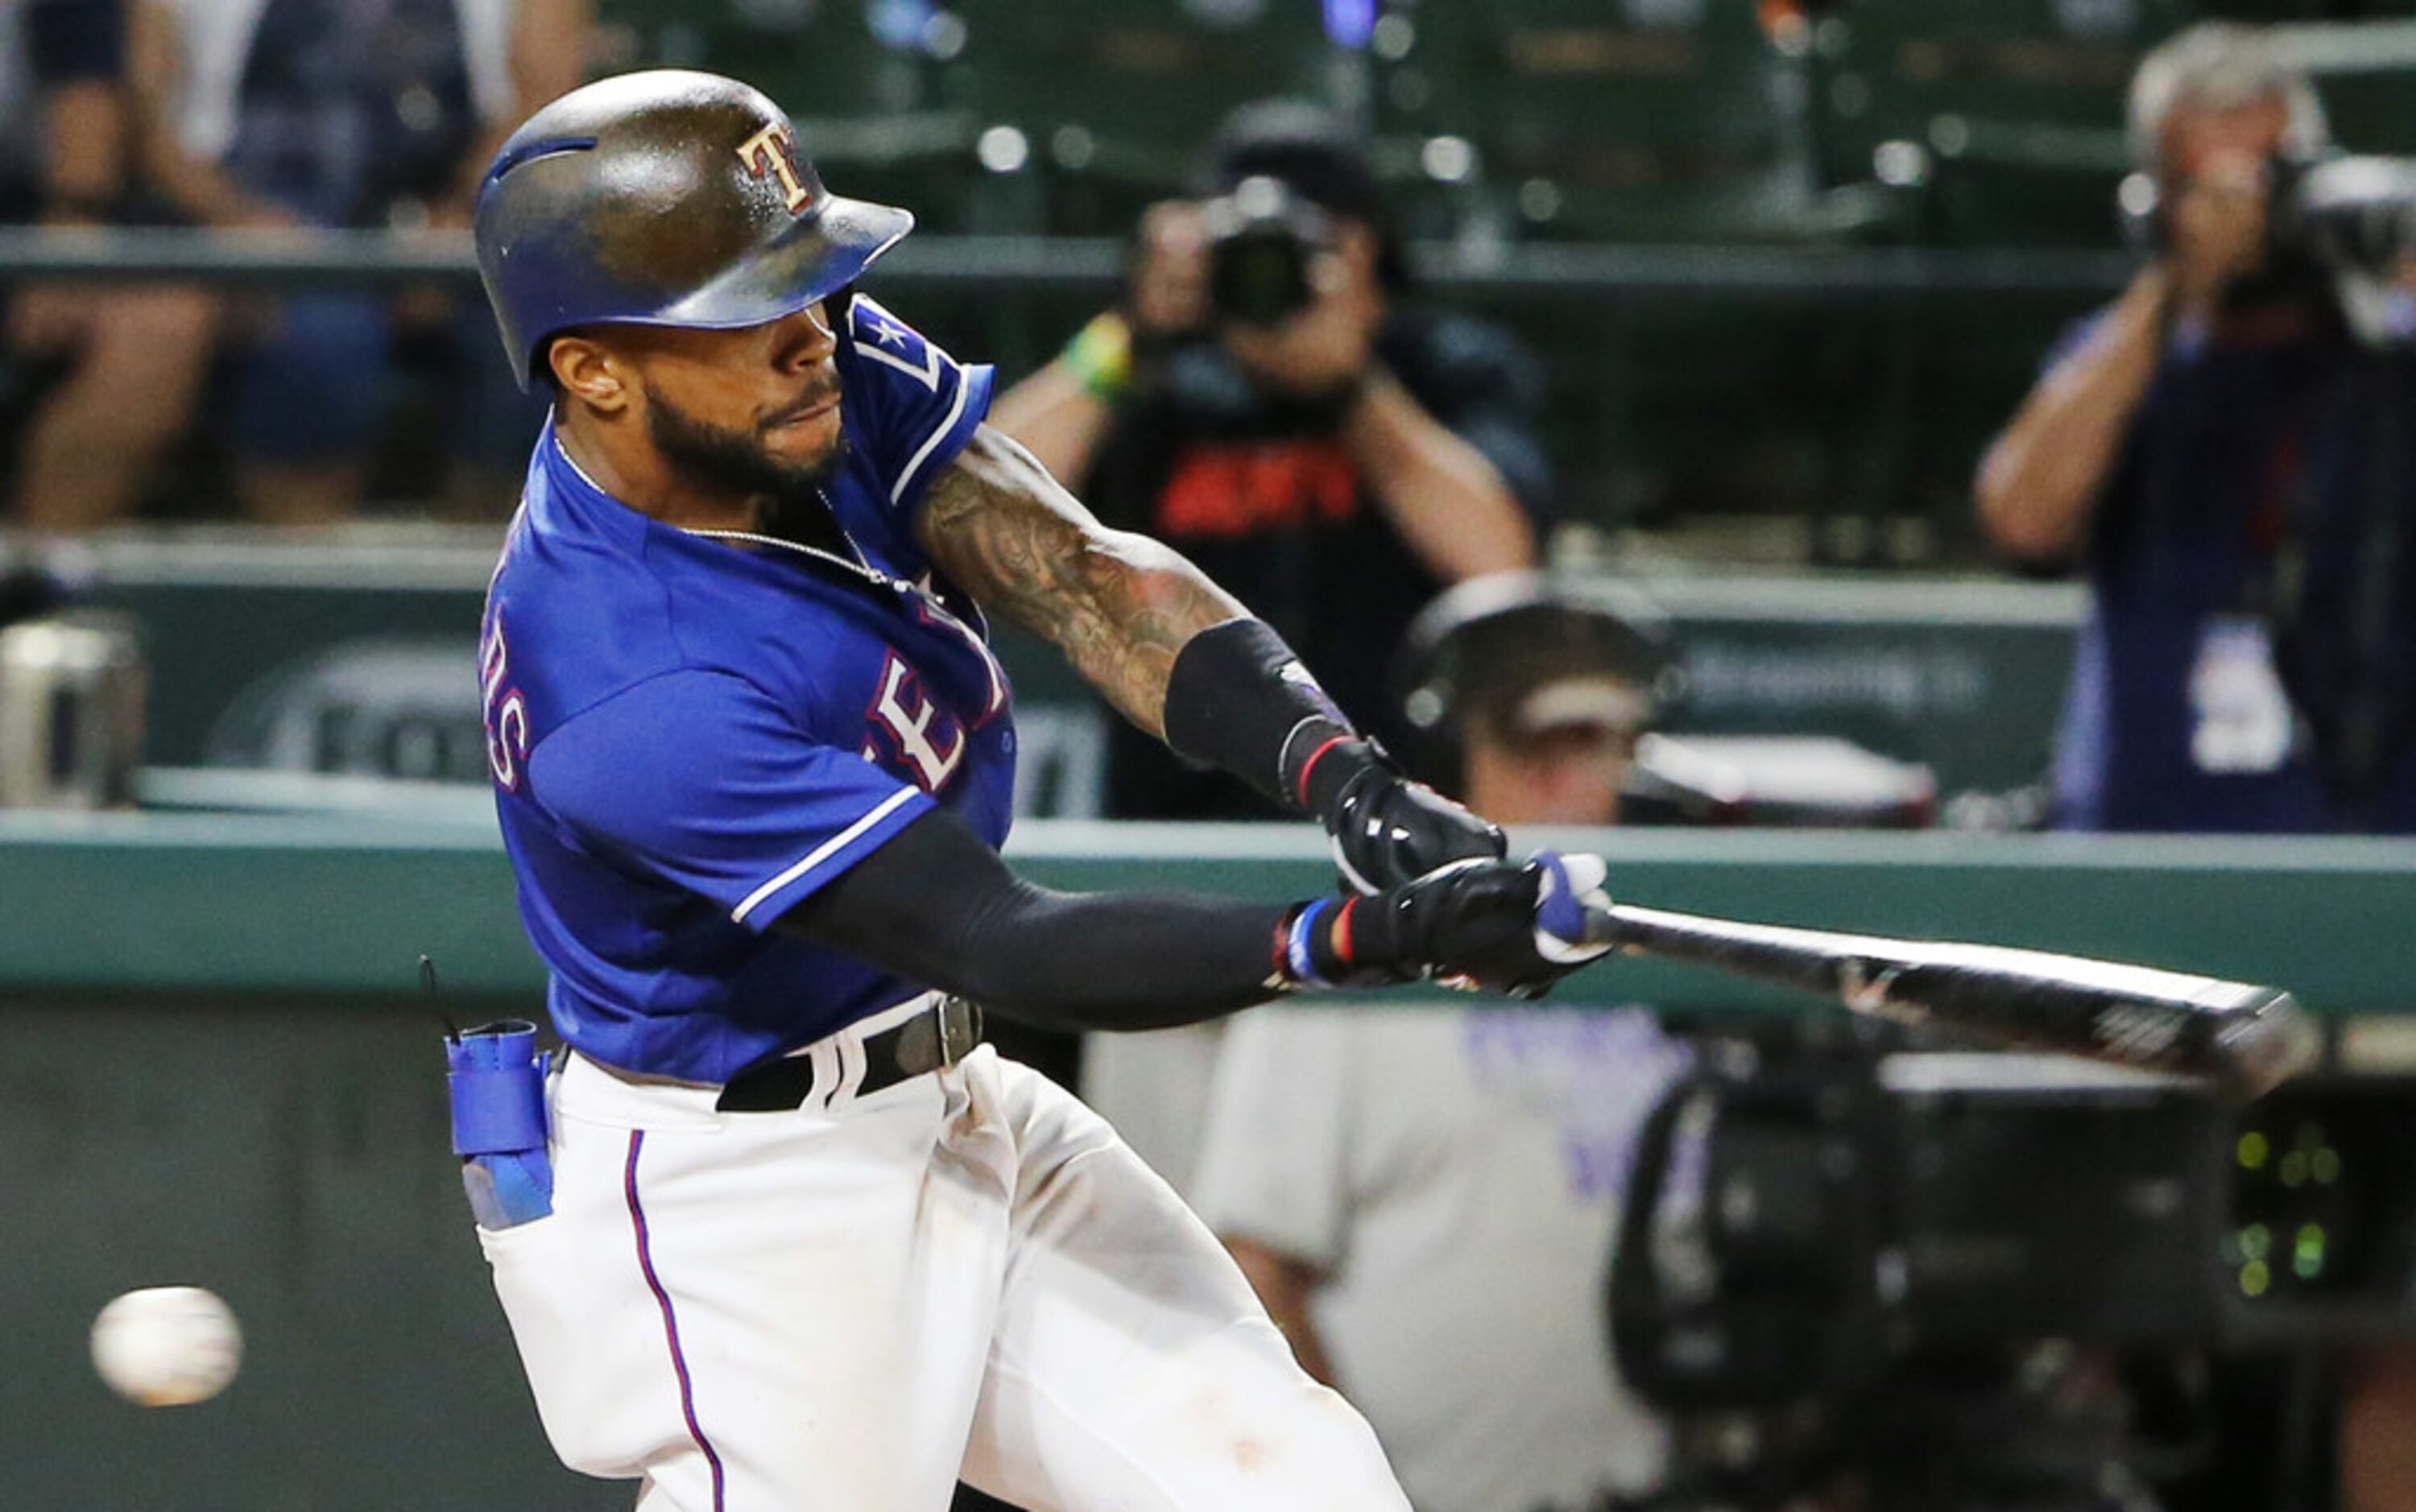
column 2226, row 452
column 1262, row 399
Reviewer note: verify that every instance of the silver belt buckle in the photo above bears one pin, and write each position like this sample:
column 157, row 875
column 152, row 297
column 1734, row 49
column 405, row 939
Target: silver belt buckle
column 961, row 1028
column 940, row 1036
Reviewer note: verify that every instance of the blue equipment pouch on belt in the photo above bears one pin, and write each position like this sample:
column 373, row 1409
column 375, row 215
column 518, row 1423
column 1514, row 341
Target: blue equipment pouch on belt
column 496, row 1077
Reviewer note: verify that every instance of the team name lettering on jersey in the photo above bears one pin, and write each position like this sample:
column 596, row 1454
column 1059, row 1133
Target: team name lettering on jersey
column 913, row 721
column 505, row 711
column 769, row 151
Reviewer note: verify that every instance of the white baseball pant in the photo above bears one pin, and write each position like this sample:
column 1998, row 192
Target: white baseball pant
column 848, row 1306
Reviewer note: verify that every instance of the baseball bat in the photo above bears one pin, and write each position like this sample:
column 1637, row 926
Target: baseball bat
column 2244, row 1039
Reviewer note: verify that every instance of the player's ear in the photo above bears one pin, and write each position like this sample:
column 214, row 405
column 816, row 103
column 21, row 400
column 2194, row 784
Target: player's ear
column 590, row 371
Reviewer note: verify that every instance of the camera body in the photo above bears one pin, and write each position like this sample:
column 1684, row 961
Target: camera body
column 2339, row 214
column 1923, row 1280
column 1863, row 1206
column 2352, row 217
column 1263, row 243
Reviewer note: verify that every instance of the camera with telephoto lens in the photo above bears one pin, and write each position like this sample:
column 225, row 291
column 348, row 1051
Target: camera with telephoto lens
column 1263, row 242
column 2341, row 214
column 2346, row 214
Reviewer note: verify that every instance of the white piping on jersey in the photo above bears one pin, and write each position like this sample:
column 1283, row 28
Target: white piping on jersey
column 552, row 415
column 928, row 374
column 955, row 407
column 891, row 329
column 823, row 852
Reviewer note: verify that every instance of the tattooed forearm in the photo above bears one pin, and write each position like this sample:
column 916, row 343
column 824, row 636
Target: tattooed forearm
column 1119, row 604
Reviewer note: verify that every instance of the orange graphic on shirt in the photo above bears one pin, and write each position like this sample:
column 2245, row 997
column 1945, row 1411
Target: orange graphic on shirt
column 1224, row 492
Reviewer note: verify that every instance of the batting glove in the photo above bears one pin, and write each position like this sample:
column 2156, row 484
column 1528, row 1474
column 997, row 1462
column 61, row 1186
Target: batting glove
column 1476, row 923
column 1388, row 831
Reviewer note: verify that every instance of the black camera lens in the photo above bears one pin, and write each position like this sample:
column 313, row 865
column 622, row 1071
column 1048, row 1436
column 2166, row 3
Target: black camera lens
column 1259, row 275
column 1261, row 240
column 2349, row 212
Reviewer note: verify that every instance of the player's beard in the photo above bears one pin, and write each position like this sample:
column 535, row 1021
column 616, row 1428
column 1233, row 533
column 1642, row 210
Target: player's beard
column 789, row 499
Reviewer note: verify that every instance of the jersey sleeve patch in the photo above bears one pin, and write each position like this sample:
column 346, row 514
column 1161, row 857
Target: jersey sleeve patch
column 920, row 405
column 701, row 780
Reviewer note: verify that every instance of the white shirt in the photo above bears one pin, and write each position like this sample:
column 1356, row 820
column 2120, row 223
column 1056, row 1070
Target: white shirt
column 1455, row 1174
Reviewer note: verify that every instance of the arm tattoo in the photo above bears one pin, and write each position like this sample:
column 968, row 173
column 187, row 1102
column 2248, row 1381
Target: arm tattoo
column 1119, row 604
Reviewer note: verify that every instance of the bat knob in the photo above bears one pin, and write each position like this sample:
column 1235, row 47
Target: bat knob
column 2268, row 1043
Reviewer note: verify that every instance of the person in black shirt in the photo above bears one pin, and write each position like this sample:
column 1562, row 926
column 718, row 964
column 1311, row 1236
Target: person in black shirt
column 1335, row 466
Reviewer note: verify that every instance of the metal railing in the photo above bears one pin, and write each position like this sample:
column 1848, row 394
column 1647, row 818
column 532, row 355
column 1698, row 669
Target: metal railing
column 319, row 258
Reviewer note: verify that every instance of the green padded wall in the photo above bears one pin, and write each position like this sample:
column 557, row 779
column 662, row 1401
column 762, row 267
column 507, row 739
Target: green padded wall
column 220, row 1073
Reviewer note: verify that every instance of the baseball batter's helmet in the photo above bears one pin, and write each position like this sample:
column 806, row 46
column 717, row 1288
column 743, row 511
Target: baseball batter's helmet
column 1523, row 651
column 663, row 198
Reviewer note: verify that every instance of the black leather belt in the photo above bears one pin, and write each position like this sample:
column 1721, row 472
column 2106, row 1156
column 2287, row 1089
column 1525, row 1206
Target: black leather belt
column 941, row 1035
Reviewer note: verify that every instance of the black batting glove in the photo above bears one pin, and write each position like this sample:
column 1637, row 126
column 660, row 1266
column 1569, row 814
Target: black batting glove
column 1387, row 829
column 1480, row 923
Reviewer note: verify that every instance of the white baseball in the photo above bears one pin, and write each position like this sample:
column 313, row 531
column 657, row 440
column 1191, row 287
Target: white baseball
column 165, row 1346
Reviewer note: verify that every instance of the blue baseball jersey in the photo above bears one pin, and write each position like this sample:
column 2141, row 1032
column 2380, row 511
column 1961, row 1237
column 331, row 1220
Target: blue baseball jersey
column 689, row 735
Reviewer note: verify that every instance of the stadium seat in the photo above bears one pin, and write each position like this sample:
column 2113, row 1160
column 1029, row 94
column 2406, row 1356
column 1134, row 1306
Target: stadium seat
column 2365, row 73
column 1667, row 120
column 866, row 85
column 1112, row 100
column 2008, row 114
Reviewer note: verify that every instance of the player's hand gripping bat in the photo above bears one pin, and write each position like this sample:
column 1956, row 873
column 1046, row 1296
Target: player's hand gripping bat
column 2244, row 1039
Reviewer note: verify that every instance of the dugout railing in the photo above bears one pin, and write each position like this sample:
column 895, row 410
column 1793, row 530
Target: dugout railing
column 1828, row 400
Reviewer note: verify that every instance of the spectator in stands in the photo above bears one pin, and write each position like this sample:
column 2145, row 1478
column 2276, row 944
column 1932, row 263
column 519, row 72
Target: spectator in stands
column 95, row 379
column 1334, row 467
column 2231, row 466
column 352, row 114
column 1426, row 1199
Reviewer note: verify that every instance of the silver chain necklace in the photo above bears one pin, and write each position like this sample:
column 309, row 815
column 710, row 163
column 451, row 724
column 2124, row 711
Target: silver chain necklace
column 856, row 565
column 910, row 592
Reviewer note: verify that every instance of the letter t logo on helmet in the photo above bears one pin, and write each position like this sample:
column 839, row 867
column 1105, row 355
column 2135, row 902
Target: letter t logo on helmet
column 770, row 150
column 662, row 198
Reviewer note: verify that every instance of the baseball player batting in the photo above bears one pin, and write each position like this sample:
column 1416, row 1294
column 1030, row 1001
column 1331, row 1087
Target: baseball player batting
column 780, row 1232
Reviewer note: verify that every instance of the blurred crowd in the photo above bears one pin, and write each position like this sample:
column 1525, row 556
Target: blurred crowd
column 2226, row 455
column 258, row 114
column 2219, row 452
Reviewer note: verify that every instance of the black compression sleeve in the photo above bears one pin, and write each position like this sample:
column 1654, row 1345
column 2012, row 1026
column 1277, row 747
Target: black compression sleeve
column 1239, row 700
column 935, row 905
